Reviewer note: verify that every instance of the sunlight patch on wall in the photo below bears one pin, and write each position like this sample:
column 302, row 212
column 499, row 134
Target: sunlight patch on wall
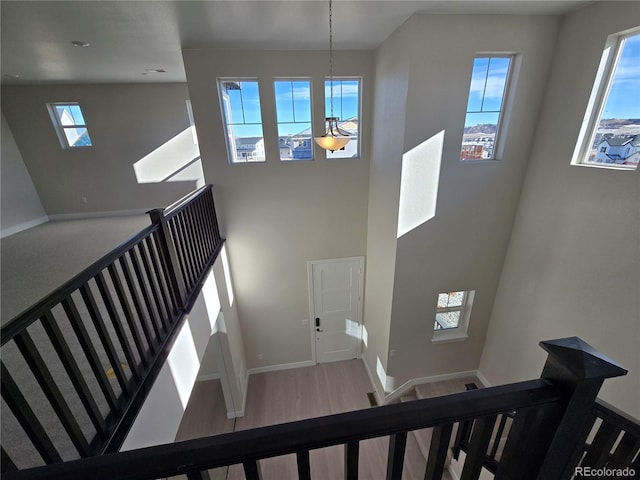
column 387, row 382
column 419, row 184
column 227, row 275
column 177, row 160
column 211, row 300
column 184, row 363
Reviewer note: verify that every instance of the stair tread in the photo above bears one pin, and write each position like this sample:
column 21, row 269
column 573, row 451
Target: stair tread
column 445, row 387
column 408, row 398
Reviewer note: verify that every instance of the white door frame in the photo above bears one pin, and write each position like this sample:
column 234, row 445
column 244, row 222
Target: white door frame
column 312, row 323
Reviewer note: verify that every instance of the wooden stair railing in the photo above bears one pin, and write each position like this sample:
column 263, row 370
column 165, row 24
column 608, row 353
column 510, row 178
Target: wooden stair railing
column 92, row 348
column 551, row 417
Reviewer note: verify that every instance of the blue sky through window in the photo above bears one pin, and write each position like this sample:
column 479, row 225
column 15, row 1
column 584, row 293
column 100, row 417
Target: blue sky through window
column 623, row 100
column 486, row 93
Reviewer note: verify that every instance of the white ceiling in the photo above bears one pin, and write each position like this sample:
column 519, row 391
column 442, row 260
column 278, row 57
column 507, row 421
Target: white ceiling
column 127, row 37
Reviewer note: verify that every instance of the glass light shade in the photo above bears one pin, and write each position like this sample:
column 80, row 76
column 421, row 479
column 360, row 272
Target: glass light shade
column 335, row 138
column 329, row 142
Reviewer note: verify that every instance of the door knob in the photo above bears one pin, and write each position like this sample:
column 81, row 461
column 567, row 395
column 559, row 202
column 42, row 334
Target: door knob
column 318, row 324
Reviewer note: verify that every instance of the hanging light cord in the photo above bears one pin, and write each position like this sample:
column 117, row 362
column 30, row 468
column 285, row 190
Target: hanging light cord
column 331, row 53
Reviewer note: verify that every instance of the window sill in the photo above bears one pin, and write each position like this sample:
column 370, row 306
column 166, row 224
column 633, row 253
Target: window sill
column 450, row 337
column 607, row 166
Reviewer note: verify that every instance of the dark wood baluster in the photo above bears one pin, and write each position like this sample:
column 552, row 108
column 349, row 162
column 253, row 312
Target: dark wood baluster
column 143, row 318
column 304, row 467
column 164, row 291
column 462, row 437
column 117, row 325
column 206, row 225
column 6, row 464
column 531, row 431
column 438, row 451
column 197, row 475
column 178, row 241
column 351, row 458
column 41, row 372
column 480, row 437
column 194, row 246
column 71, row 367
column 105, row 339
column 252, row 470
column 598, row 452
column 212, row 208
column 168, row 256
column 498, row 436
column 180, row 231
column 26, row 418
column 128, row 314
column 89, row 350
column 144, row 282
column 395, row 460
column 625, row 451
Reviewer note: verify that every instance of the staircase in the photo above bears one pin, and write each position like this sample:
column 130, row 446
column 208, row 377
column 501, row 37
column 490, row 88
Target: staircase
column 419, row 441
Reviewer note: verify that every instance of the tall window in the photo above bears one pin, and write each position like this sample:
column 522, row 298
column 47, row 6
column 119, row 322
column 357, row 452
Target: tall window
column 240, row 103
column 610, row 133
column 484, row 108
column 346, row 106
column 293, row 112
column 452, row 315
column 69, row 123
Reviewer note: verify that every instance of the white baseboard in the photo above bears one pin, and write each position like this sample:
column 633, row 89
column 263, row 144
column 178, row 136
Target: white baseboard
column 86, row 215
column 402, row 389
column 485, row 383
column 453, row 473
column 7, row 232
column 283, row 366
column 208, row 376
column 379, row 400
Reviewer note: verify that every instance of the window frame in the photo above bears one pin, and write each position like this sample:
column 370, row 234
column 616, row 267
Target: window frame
column 310, row 122
column 60, row 129
column 458, row 333
column 598, row 97
column 502, row 113
column 231, row 149
column 330, row 155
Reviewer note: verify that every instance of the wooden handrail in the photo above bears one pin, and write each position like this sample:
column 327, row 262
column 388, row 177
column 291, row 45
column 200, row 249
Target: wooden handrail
column 251, row 445
column 130, row 300
column 31, row 314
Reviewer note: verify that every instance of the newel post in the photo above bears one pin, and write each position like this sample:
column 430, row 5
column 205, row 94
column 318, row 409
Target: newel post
column 579, row 371
column 169, row 257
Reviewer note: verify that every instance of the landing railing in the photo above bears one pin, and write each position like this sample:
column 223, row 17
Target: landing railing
column 550, row 416
column 77, row 366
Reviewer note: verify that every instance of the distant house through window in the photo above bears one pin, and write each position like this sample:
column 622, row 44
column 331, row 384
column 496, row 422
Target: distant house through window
column 452, row 315
column 242, row 116
column 610, row 132
column 346, row 106
column 293, row 112
column 69, row 124
column 489, row 80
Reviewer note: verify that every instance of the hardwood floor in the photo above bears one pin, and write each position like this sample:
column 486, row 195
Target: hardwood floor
column 295, row 394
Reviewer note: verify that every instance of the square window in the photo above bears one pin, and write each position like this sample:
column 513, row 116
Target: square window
column 242, row 117
column 489, row 80
column 610, row 132
column 69, row 124
column 293, row 116
column 346, row 106
column 452, row 316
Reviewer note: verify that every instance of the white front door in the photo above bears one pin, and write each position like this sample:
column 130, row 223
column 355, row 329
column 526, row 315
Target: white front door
column 336, row 298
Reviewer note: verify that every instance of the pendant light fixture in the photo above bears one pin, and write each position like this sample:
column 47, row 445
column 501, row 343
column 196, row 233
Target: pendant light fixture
column 335, row 138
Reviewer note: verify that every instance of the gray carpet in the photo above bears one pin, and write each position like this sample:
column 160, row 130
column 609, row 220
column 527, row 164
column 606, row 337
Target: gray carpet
column 34, row 263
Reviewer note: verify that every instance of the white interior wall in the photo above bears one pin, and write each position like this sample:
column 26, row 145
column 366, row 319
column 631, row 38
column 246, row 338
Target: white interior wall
column 19, row 203
column 462, row 247
column 573, row 263
column 278, row 215
column 389, row 98
column 126, row 123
